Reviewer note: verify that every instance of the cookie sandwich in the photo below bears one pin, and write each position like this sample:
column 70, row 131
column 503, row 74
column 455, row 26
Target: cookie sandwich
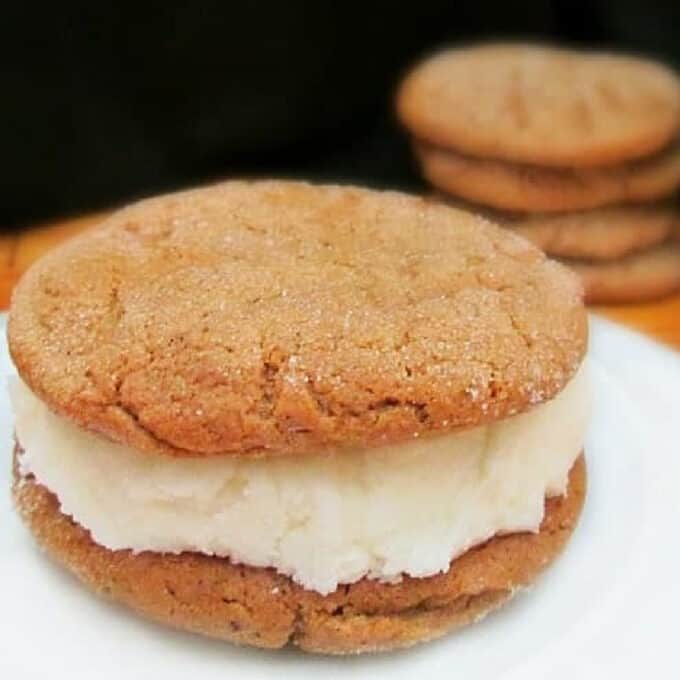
column 275, row 413
column 555, row 141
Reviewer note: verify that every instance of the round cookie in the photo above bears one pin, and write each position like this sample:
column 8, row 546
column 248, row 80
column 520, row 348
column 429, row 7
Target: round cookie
column 282, row 317
column 529, row 188
column 256, row 606
column 642, row 276
column 542, row 105
column 601, row 234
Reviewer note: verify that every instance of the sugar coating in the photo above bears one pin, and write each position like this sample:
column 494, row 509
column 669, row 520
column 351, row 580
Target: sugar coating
column 322, row 519
column 281, row 318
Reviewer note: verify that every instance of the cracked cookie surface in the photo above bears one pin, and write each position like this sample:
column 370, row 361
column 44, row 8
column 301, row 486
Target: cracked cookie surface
column 257, row 606
column 282, row 317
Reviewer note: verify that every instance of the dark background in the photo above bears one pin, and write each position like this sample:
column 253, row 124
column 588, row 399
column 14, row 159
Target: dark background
column 104, row 102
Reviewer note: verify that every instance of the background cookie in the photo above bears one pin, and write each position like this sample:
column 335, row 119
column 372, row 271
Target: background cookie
column 541, row 105
column 601, row 234
column 314, row 311
column 529, row 188
column 642, row 276
column 256, row 606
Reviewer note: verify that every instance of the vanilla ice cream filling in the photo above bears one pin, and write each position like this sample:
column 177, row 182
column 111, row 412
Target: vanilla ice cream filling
column 322, row 519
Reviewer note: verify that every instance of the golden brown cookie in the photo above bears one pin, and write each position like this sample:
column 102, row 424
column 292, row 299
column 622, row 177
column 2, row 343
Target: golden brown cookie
column 642, row 276
column 256, row 606
column 279, row 317
column 530, row 188
column 542, row 105
column 600, row 234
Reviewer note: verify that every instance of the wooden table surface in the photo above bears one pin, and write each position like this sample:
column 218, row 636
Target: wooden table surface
column 17, row 251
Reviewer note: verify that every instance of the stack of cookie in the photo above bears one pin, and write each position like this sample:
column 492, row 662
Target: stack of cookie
column 577, row 151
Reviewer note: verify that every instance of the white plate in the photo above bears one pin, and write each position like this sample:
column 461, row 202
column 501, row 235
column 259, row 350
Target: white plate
column 608, row 606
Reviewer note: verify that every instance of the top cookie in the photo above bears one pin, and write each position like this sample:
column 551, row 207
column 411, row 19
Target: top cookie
column 284, row 317
column 541, row 105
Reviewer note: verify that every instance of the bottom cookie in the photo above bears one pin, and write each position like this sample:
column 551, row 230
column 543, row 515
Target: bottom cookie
column 257, row 606
column 647, row 275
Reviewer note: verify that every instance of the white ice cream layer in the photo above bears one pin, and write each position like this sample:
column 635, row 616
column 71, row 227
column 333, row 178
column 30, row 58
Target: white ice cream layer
column 322, row 519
